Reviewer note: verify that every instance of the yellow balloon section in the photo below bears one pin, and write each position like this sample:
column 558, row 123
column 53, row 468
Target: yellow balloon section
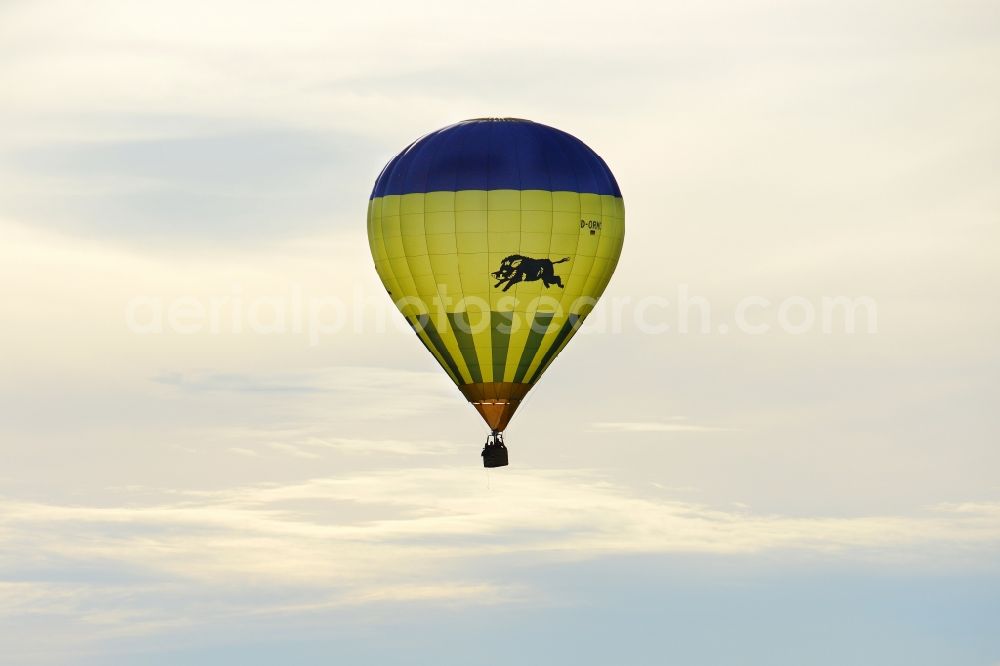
column 495, row 282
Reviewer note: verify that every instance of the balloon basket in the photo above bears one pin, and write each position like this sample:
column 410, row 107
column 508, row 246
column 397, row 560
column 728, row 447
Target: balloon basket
column 494, row 453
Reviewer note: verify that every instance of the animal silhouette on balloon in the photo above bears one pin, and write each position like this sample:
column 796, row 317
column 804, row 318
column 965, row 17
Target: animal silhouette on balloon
column 518, row 268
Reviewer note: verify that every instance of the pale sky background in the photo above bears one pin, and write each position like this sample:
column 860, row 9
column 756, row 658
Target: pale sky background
column 697, row 499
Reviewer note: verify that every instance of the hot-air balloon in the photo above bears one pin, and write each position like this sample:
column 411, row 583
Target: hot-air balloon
column 495, row 237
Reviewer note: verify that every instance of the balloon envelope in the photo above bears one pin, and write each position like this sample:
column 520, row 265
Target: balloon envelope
column 495, row 237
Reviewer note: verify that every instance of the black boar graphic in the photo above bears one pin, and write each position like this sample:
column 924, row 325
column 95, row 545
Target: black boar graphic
column 518, row 268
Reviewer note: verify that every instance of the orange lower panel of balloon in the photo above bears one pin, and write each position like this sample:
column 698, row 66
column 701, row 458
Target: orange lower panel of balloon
column 496, row 402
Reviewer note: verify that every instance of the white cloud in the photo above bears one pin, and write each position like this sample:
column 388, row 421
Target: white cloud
column 143, row 566
column 417, row 534
column 655, row 426
column 415, row 447
column 291, row 449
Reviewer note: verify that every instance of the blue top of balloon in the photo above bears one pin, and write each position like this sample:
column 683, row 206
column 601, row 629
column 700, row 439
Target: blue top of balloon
column 496, row 154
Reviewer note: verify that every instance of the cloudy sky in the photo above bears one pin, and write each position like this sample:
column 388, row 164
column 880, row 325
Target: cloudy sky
column 218, row 446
